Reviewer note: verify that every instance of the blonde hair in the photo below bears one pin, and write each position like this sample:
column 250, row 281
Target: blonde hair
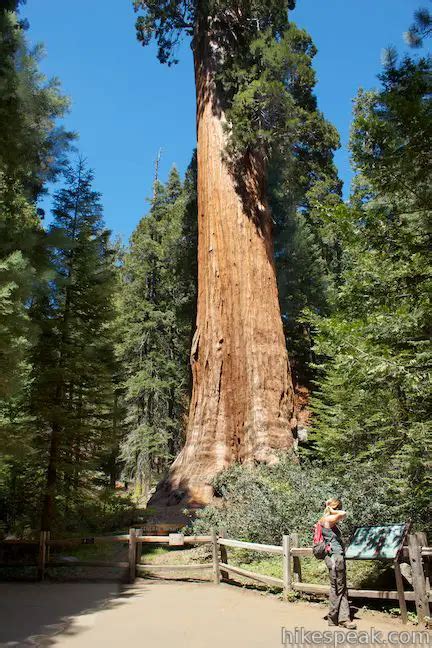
column 333, row 503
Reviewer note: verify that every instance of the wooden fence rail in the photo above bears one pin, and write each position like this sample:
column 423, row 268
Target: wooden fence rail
column 239, row 544
column 171, row 540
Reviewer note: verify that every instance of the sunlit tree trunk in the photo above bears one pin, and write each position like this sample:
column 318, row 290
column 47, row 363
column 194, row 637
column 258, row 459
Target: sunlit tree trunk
column 242, row 401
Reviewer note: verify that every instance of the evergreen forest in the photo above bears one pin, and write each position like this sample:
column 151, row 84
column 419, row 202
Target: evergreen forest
column 133, row 374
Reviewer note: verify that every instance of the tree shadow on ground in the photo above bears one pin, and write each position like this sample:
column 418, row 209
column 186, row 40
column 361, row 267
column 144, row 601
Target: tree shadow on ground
column 33, row 613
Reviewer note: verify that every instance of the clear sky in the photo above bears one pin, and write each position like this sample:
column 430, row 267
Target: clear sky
column 126, row 105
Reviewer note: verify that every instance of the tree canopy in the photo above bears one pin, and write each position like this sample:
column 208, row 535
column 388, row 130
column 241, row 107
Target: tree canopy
column 420, row 29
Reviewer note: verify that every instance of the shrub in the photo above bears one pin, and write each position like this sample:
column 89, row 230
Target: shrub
column 260, row 504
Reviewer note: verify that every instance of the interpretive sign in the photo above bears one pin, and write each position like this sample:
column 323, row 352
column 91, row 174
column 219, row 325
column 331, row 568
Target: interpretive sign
column 380, row 542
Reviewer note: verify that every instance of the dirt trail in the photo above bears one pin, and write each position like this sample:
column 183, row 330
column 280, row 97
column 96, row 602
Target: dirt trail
column 155, row 614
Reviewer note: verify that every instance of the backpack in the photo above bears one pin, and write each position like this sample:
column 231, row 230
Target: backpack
column 320, row 549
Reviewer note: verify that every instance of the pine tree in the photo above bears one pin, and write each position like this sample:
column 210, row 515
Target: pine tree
column 420, row 29
column 73, row 363
column 187, row 255
column 300, row 179
column 32, row 151
column 154, row 334
column 373, row 403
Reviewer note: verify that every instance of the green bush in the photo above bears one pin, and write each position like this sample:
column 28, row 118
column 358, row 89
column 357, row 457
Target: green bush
column 100, row 512
column 262, row 503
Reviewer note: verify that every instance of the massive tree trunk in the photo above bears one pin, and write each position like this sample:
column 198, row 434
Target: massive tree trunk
column 242, row 401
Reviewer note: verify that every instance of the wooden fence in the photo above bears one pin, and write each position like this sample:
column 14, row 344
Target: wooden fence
column 44, row 559
column 416, row 552
column 135, row 540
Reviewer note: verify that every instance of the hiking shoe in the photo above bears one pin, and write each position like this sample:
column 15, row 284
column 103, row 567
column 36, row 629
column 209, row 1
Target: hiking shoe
column 349, row 625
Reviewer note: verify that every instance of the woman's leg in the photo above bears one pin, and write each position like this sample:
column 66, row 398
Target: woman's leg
column 339, row 607
column 342, row 592
column 333, row 612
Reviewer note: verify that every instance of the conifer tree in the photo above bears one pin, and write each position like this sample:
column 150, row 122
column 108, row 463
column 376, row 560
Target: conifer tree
column 32, row 150
column 298, row 184
column 373, row 402
column 420, row 29
column 187, row 253
column 73, row 362
column 253, row 79
column 153, row 338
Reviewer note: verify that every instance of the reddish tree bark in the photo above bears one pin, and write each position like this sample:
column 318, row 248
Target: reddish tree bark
column 242, row 401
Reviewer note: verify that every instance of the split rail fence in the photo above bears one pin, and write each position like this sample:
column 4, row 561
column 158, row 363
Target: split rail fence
column 416, row 553
column 135, row 540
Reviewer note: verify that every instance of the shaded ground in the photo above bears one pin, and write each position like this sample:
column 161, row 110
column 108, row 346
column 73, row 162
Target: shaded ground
column 32, row 609
column 157, row 614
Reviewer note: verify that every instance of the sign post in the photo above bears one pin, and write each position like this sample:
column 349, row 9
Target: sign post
column 381, row 542
column 419, row 581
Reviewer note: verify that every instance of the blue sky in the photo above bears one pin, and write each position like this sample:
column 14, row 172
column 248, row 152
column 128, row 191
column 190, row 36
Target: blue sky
column 126, row 105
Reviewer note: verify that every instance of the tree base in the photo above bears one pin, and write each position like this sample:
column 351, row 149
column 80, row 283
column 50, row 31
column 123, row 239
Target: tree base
column 172, row 494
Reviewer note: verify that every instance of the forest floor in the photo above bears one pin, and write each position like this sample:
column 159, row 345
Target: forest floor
column 158, row 614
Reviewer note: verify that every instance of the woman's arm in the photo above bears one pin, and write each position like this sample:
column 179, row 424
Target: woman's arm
column 338, row 512
column 334, row 517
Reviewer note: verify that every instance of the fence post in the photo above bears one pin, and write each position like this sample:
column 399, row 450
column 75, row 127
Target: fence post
column 427, row 571
column 48, row 547
column 419, row 583
column 297, row 575
column 287, row 578
column 132, row 555
column 215, row 548
column 139, row 548
column 224, row 556
column 422, row 538
column 42, row 555
column 401, row 592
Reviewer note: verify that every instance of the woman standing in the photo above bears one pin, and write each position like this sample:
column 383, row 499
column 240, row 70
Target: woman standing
column 339, row 612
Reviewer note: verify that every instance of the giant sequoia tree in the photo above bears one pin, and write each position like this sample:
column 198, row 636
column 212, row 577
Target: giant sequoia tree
column 252, row 73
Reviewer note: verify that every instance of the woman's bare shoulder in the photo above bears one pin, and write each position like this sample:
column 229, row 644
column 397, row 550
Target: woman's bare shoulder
column 327, row 522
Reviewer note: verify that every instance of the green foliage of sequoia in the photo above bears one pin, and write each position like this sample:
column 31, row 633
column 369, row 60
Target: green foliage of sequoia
column 262, row 72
